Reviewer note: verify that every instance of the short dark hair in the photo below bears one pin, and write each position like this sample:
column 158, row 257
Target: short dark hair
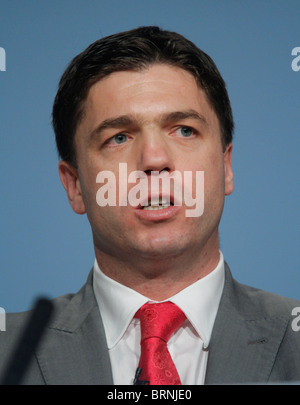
column 133, row 50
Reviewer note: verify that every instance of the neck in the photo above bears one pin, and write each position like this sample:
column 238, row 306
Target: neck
column 159, row 278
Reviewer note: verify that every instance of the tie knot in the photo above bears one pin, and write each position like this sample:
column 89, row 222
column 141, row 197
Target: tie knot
column 159, row 320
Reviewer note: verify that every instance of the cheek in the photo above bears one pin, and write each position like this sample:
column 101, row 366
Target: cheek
column 89, row 188
column 214, row 181
column 211, row 164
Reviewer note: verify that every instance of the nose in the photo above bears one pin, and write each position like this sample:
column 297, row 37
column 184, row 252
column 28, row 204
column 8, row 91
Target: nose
column 155, row 153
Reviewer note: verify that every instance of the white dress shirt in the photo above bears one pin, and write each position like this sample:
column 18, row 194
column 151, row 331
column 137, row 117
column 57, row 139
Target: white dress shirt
column 188, row 346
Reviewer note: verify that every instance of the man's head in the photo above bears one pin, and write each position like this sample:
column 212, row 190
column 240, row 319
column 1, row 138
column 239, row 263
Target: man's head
column 152, row 100
column 133, row 50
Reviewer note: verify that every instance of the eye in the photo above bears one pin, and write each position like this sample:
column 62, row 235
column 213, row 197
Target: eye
column 118, row 139
column 186, row 132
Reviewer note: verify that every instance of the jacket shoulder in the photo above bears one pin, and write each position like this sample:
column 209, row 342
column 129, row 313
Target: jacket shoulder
column 15, row 326
column 253, row 301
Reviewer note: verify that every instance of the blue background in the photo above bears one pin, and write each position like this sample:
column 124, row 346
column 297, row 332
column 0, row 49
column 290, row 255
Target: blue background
column 45, row 247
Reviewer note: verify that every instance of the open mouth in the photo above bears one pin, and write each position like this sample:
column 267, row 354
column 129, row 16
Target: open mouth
column 157, row 208
column 157, row 204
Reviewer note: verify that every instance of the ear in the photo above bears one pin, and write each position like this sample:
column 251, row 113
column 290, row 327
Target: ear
column 228, row 170
column 70, row 180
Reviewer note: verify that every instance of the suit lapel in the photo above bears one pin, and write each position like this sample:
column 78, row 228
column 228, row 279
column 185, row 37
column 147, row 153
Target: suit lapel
column 244, row 341
column 74, row 350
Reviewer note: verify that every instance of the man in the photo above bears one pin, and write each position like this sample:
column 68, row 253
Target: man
column 152, row 101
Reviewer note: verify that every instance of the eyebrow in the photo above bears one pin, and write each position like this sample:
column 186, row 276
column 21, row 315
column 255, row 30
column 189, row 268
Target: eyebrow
column 130, row 120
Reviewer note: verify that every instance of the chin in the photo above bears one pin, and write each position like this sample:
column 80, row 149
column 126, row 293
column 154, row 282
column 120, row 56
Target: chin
column 161, row 245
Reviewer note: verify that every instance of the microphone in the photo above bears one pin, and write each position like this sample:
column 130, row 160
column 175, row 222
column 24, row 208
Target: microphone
column 136, row 380
column 28, row 342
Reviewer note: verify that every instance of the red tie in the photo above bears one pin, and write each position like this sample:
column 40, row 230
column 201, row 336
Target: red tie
column 158, row 323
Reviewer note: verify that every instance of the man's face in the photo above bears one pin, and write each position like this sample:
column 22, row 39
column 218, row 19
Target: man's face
column 153, row 120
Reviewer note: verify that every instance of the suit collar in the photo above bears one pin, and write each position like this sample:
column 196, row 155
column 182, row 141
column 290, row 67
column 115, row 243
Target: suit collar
column 74, row 350
column 77, row 307
column 246, row 336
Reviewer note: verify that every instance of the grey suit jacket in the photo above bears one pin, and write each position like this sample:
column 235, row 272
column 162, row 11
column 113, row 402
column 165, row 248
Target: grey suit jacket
column 252, row 340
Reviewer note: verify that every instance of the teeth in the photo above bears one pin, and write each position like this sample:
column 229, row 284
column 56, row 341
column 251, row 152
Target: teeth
column 156, row 207
column 158, row 201
column 155, row 201
column 164, row 201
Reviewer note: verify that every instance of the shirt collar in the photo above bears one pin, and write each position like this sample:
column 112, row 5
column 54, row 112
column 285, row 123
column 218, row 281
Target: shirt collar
column 118, row 303
column 200, row 301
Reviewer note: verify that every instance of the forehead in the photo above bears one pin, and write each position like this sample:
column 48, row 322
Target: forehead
column 155, row 79
column 145, row 94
